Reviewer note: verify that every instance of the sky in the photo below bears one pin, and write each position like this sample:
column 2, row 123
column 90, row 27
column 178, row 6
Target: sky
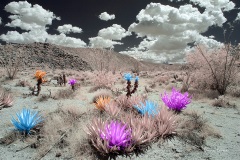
column 156, row 31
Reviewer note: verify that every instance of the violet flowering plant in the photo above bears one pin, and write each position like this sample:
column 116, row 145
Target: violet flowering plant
column 117, row 135
column 176, row 100
column 72, row 81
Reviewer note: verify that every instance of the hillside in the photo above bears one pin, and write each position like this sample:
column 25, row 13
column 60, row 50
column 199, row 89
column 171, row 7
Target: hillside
column 57, row 57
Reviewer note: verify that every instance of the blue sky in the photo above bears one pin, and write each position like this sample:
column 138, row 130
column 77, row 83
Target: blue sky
column 159, row 30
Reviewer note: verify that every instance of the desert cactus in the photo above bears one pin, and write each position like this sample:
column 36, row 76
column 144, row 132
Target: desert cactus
column 39, row 75
column 128, row 77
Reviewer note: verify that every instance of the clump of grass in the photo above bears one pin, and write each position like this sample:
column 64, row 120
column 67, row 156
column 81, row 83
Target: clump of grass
column 222, row 101
column 6, row 99
column 194, row 130
column 64, row 94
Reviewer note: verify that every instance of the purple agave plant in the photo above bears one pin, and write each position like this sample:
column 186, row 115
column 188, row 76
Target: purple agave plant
column 117, row 134
column 176, row 101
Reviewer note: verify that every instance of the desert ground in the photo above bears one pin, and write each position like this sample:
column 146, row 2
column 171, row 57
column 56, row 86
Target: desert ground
column 207, row 129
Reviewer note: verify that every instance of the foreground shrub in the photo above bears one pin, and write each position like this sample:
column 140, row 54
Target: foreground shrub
column 214, row 68
column 26, row 120
column 103, row 136
column 176, row 101
column 166, row 123
column 6, row 99
column 117, row 135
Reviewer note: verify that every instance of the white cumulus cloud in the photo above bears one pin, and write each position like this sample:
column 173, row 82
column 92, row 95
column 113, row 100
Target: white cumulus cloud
column 39, row 35
column 106, row 17
column 167, row 31
column 238, row 17
column 68, row 28
column 0, row 20
column 115, row 32
column 29, row 17
column 34, row 19
column 99, row 42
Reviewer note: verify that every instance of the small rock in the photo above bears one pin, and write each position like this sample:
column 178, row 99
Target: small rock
column 58, row 154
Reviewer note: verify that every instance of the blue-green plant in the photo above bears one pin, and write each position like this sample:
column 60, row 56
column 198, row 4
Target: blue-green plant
column 128, row 77
column 26, row 120
column 148, row 107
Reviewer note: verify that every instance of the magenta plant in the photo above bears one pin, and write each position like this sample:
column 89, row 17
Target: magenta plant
column 117, row 135
column 72, row 83
column 176, row 101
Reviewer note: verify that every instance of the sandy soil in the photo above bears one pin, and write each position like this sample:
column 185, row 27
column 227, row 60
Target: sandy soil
column 224, row 120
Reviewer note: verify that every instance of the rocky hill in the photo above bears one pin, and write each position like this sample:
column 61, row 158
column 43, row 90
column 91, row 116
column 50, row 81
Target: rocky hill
column 57, row 57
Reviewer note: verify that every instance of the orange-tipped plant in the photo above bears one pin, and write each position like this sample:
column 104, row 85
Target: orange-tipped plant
column 39, row 75
column 101, row 102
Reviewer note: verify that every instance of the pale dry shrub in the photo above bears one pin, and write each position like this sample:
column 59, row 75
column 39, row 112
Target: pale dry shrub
column 57, row 126
column 144, row 130
column 223, row 101
column 214, row 68
column 6, row 99
column 23, row 83
column 167, row 123
column 161, row 79
column 112, row 109
column 194, row 129
column 235, row 92
column 128, row 102
column 103, row 78
column 64, row 94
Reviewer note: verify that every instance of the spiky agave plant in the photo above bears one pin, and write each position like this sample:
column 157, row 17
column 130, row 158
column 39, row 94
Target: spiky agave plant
column 26, row 120
column 110, row 136
column 176, row 101
column 148, row 107
column 101, row 102
column 117, row 135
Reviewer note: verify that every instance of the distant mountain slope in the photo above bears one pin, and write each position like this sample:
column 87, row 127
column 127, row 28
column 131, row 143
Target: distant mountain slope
column 58, row 57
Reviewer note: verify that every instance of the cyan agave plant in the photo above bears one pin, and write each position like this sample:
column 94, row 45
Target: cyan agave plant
column 176, row 101
column 117, row 135
column 26, row 120
column 149, row 108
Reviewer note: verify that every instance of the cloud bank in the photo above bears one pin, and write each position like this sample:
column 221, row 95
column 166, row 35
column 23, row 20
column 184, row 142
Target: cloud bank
column 106, row 17
column 28, row 17
column 167, row 31
column 35, row 21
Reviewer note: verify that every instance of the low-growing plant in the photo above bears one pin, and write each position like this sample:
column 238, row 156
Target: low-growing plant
column 26, row 120
column 6, row 99
column 148, row 107
column 176, row 101
column 128, row 78
column 167, row 123
column 102, row 102
column 72, row 82
column 39, row 75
